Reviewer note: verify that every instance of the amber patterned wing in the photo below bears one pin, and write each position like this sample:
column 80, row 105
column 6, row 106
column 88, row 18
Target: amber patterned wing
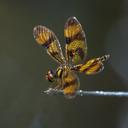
column 48, row 39
column 92, row 66
column 70, row 83
column 76, row 46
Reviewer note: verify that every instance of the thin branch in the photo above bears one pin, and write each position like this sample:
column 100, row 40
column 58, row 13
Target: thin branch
column 52, row 91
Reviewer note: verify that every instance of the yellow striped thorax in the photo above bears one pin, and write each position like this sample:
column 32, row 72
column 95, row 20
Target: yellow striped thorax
column 59, row 72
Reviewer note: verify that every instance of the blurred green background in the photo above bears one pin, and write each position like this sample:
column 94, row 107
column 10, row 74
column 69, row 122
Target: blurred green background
column 23, row 64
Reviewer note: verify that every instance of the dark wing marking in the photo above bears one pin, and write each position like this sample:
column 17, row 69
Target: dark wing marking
column 48, row 39
column 92, row 66
column 76, row 46
column 70, row 83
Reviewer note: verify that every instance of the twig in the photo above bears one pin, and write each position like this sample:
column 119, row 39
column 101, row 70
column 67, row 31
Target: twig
column 52, row 91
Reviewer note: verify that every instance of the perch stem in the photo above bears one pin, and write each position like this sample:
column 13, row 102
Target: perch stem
column 52, row 91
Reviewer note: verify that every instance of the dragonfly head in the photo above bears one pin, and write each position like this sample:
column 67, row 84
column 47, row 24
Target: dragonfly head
column 50, row 76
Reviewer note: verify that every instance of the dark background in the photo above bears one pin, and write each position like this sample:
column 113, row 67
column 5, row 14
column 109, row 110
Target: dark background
column 23, row 64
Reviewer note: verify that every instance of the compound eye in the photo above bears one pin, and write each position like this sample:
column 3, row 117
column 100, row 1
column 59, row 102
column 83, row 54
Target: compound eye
column 50, row 76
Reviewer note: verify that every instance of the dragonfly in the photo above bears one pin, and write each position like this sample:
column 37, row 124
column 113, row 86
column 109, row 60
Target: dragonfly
column 65, row 76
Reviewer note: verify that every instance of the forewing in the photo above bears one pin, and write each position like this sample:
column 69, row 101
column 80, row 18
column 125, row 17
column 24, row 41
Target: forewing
column 76, row 46
column 48, row 39
column 92, row 66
